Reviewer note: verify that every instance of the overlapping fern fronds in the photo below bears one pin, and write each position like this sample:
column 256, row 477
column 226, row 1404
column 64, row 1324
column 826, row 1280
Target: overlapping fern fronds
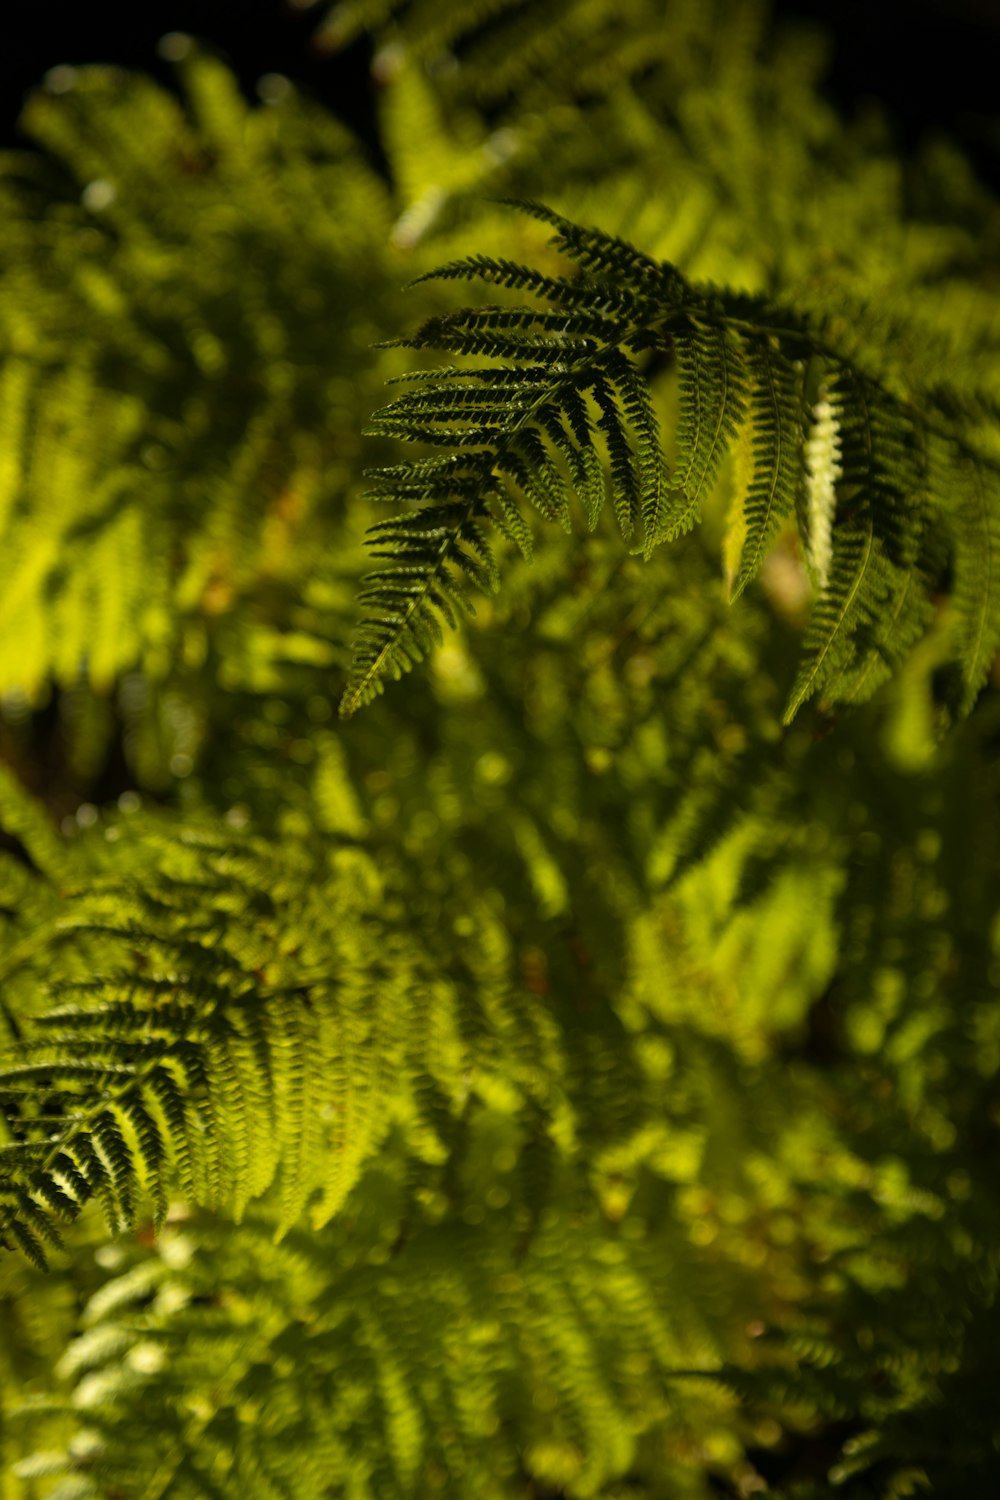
column 223, row 1016
column 399, row 1349
column 565, row 413
column 441, row 1293
column 216, row 1015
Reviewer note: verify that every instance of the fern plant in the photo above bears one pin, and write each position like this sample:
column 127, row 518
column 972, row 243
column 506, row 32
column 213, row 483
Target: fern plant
column 577, row 1074
column 918, row 493
column 224, row 1053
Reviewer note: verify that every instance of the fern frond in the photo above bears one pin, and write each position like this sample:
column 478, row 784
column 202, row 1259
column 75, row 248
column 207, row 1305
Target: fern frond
column 203, row 1054
column 524, row 430
column 776, row 401
column 620, row 269
column 390, row 1392
column 873, row 607
column 570, row 400
column 712, row 378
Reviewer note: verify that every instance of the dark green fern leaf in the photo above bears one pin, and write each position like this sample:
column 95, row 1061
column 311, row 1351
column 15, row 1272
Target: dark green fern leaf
column 776, row 407
column 650, row 467
column 523, row 431
column 625, row 481
column 624, row 273
column 712, row 381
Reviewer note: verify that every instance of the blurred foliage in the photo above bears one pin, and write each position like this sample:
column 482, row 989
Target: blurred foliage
column 183, row 330
column 602, row 1074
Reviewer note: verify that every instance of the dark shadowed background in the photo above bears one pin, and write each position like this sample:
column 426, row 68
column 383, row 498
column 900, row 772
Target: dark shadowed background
column 933, row 63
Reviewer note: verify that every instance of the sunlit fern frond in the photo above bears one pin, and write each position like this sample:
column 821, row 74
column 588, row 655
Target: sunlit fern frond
column 222, row 1015
column 875, row 602
column 823, row 469
column 241, row 1016
column 566, row 399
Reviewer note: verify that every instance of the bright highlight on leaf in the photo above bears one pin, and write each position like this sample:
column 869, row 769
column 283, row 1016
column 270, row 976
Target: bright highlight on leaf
column 822, row 472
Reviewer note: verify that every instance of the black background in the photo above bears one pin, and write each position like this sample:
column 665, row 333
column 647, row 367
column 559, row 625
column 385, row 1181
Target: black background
column 933, row 63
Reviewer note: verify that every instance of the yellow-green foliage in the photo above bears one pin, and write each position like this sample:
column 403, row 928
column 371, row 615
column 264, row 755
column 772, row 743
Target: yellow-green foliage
column 567, row 1077
column 184, row 312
